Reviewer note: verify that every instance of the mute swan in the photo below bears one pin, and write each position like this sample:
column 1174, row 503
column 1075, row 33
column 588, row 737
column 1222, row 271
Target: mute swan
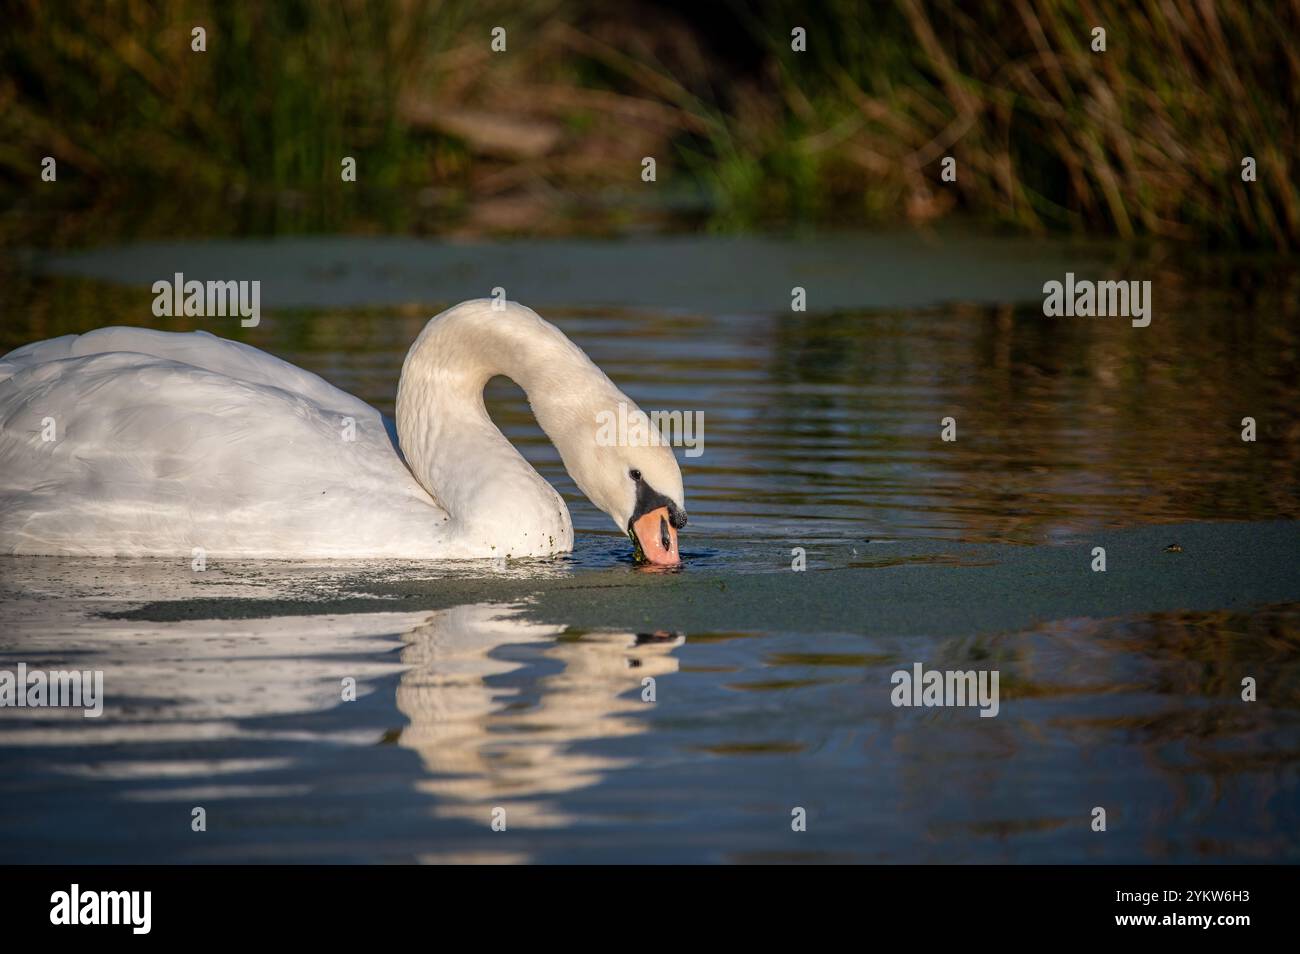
column 133, row 442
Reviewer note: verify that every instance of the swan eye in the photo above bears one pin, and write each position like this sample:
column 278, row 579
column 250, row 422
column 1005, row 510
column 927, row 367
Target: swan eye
column 634, row 474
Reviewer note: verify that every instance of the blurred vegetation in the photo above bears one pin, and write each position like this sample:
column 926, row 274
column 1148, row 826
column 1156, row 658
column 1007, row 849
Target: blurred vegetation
column 1145, row 139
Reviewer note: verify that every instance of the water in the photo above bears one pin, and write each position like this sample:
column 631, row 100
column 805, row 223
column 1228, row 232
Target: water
column 521, row 687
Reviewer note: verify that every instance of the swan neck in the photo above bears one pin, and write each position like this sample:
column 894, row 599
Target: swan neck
column 453, row 448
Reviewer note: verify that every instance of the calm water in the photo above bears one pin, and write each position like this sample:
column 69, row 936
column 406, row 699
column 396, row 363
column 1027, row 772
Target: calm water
column 821, row 431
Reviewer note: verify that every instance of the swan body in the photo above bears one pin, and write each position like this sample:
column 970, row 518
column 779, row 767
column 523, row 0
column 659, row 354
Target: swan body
column 134, row 442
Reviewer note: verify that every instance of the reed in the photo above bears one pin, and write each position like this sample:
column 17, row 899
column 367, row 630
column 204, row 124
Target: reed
column 1146, row 138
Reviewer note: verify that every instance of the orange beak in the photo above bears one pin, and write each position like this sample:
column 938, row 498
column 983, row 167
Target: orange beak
column 655, row 539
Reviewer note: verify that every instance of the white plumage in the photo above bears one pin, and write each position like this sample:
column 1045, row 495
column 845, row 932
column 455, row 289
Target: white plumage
column 166, row 442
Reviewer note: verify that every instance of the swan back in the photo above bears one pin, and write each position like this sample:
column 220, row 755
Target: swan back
column 130, row 442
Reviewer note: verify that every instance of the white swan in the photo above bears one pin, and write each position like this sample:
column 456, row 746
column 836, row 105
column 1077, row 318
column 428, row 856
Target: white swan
column 133, row 442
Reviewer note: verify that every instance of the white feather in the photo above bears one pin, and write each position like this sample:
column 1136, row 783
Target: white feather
column 167, row 442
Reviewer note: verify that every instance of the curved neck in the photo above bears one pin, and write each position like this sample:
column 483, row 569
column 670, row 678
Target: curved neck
column 498, row 504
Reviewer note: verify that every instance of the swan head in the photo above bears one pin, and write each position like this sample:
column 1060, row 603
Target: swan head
column 639, row 485
column 656, row 515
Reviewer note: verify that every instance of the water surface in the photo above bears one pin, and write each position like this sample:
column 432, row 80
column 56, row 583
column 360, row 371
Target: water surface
column 521, row 686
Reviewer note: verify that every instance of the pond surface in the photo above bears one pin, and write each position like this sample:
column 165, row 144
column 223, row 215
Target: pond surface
column 522, row 686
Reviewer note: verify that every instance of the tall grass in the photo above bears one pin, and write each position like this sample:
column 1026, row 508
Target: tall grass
column 1145, row 139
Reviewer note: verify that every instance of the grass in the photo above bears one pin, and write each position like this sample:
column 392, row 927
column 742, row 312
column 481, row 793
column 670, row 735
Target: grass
column 1145, row 139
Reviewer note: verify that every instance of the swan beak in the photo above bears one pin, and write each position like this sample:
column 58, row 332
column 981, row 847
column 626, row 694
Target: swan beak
column 655, row 538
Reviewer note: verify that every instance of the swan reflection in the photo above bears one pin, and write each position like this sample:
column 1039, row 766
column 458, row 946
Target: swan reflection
column 490, row 735
column 495, row 709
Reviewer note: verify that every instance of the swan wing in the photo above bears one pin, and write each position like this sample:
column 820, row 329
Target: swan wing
column 127, row 441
